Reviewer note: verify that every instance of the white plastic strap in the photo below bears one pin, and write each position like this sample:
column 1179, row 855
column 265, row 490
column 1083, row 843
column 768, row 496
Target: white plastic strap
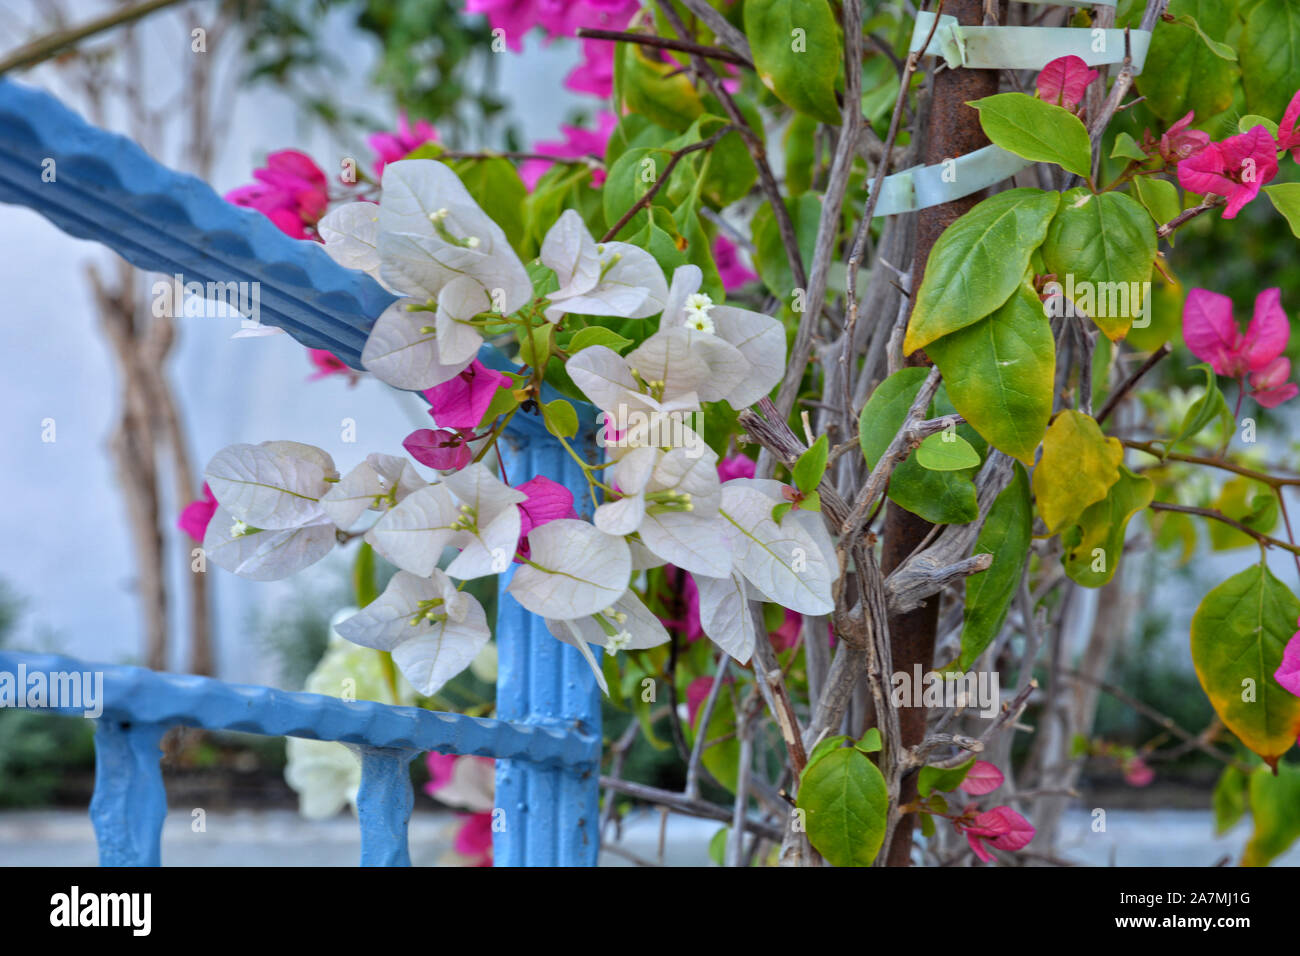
column 1024, row 48
column 924, row 186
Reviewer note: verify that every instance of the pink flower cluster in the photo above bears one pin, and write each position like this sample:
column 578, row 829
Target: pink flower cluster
column 562, row 18
column 1001, row 828
column 290, row 190
column 1239, row 166
column 1212, row 335
column 465, row 782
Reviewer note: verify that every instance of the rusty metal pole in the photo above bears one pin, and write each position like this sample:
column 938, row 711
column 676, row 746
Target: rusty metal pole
column 953, row 130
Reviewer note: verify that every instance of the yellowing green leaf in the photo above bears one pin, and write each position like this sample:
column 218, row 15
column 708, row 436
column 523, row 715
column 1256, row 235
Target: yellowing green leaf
column 1078, row 466
column 1238, row 635
column 1275, row 807
column 978, row 262
column 999, row 374
column 1093, row 548
column 798, row 53
column 1106, row 245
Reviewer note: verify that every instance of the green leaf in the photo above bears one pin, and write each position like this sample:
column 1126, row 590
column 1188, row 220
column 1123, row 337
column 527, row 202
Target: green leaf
column 1250, row 121
column 940, row 497
column 927, row 825
column 597, row 335
column 947, row 451
column 846, row 801
column 1036, row 130
column 1102, row 247
column 1094, row 546
column 1000, row 371
column 1221, row 50
column 812, row 501
column 658, row 89
column 718, row 846
column 1229, row 799
column 1181, row 73
column 496, row 186
column 1250, row 502
column 1204, row 410
column 797, row 53
column 769, row 256
column 630, row 178
column 871, row 741
column 535, row 350
column 978, row 262
column 1007, row 533
column 1275, row 807
column 780, row 510
column 561, row 419
column 1078, row 466
column 1160, row 197
column 503, row 400
column 1126, row 147
column 810, row 467
column 1270, row 56
column 364, row 585
column 932, row 779
column 800, row 146
column 1238, row 635
column 1286, row 200
column 826, row 746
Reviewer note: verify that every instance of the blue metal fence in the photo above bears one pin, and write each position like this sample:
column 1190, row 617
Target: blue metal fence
column 547, row 735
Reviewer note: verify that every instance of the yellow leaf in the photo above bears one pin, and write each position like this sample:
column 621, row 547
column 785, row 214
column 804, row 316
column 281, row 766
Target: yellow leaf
column 1078, row 466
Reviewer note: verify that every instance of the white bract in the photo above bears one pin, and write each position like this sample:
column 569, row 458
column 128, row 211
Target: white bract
column 719, row 351
column 670, row 499
column 626, row 625
column 791, row 564
column 270, row 523
column 274, row 485
column 607, row 278
column 575, row 570
column 432, row 630
column 471, row 510
column 377, row 484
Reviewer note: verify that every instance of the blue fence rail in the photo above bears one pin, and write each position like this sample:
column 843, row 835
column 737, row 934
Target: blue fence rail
column 107, row 189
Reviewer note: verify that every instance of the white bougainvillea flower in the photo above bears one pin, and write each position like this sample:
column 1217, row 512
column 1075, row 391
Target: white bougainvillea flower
column 276, row 485
column 351, row 234
column 266, row 555
column 605, row 377
column 791, row 564
column 725, row 613
column 403, row 350
column 575, row 570
column 625, row 625
column 760, row 340
column 431, row 231
column 607, row 278
column 432, row 630
column 377, row 484
column 670, row 499
column 471, row 510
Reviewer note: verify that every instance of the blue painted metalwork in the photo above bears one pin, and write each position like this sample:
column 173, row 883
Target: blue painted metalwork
column 547, row 737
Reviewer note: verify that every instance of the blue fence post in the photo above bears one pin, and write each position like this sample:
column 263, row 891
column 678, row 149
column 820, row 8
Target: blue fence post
column 130, row 801
column 550, row 814
column 384, row 805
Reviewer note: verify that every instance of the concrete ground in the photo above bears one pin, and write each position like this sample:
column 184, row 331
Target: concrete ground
column 282, row 838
